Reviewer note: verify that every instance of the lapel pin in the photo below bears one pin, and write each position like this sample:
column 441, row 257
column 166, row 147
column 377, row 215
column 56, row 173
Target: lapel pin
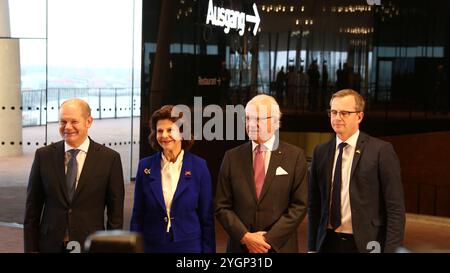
column 358, row 151
column 147, row 171
column 187, row 173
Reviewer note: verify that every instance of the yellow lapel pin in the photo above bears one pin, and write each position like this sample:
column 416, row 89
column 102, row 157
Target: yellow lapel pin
column 147, row 171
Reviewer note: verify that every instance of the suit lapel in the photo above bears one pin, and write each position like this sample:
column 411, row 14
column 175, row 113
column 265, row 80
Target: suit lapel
column 358, row 151
column 329, row 167
column 156, row 181
column 247, row 162
column 59, row 158
column 185, row 176
column 275, row 158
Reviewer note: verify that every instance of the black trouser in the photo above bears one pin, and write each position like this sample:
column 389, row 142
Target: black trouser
column 338, row 243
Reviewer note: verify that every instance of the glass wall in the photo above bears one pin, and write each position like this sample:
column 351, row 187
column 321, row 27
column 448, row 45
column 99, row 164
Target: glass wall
column 72, row 48
column 390, row 53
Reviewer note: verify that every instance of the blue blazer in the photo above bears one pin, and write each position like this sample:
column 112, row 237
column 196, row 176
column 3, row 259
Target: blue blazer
column 191, row 211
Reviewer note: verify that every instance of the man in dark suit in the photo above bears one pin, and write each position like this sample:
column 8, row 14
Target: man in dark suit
column 355, row 190
column 71, row 182
column 262, row 190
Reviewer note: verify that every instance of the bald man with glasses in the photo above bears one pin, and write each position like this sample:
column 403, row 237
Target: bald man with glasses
column 355, row 198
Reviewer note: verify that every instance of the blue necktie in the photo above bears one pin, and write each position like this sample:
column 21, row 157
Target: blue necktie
column 71, row 174
column 335, row 219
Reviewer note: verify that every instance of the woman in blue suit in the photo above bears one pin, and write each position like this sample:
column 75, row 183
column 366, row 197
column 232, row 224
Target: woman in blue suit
column 173, row 206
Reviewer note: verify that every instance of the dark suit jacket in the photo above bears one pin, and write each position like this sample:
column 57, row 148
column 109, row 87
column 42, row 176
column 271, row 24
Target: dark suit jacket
column 49, row 213
column 192, row 206
column 376, row 194
column 282, row 203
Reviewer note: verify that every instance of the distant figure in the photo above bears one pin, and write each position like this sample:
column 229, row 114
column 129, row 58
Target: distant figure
column 346, row 74
column 73, row 185
column 302, row 87
column 356, row 81
column 280, row 84
column 340, row 78
column 291, row 80
column 314, row 85
column 324, row 97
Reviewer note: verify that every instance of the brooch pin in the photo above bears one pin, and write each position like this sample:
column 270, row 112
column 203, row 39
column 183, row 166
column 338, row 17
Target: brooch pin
column 147, row 171
column 187, row 173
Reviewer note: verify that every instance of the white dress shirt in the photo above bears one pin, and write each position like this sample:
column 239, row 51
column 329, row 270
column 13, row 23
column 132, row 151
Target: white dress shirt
column 267, row 148
column 81, row 157
column 170, row 174
column 347, row 160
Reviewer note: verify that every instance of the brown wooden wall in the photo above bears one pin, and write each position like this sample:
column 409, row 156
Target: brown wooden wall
column 424, row 159
column 425, row 163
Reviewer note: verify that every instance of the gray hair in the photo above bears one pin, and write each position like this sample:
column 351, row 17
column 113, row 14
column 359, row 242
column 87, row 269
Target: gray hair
column 264, row 99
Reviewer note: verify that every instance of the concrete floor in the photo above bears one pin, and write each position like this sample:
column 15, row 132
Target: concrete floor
column 423, row 233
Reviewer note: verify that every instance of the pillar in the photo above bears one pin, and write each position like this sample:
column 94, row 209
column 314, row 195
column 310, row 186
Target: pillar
column 10, row 93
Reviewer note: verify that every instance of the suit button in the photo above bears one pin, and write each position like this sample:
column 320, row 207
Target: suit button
column 70, row 211
column 165, row 219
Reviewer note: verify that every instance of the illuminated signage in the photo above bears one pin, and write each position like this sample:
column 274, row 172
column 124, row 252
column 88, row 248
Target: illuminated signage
column 232, row 19
column 373, row 2
column 208, row 81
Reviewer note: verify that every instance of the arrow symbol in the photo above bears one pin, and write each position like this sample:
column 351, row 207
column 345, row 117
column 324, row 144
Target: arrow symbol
column 254, row 19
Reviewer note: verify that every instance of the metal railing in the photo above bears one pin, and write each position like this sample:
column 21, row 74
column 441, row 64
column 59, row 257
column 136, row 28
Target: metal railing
column 41, row 106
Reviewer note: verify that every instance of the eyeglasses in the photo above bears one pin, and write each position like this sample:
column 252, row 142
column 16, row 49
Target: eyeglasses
column 342, row 114
column 247, row 119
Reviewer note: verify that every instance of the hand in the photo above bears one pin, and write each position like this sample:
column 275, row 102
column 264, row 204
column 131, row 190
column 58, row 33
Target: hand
column 256, row 242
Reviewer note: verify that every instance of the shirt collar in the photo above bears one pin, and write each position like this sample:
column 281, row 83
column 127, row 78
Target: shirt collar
column 177, row 162
column 267, row 146
column 84, row 147
column 351, row 141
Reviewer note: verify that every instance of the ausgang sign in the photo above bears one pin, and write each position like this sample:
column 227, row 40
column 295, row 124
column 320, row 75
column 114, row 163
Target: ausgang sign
column 232, row 19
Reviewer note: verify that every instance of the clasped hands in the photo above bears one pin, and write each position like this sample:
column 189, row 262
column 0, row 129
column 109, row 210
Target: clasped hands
column 256, row 242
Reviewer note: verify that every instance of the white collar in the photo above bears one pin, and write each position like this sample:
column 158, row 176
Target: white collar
column 350, row 141
column 268, row 145
column 177, row 162
column 84, row 147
